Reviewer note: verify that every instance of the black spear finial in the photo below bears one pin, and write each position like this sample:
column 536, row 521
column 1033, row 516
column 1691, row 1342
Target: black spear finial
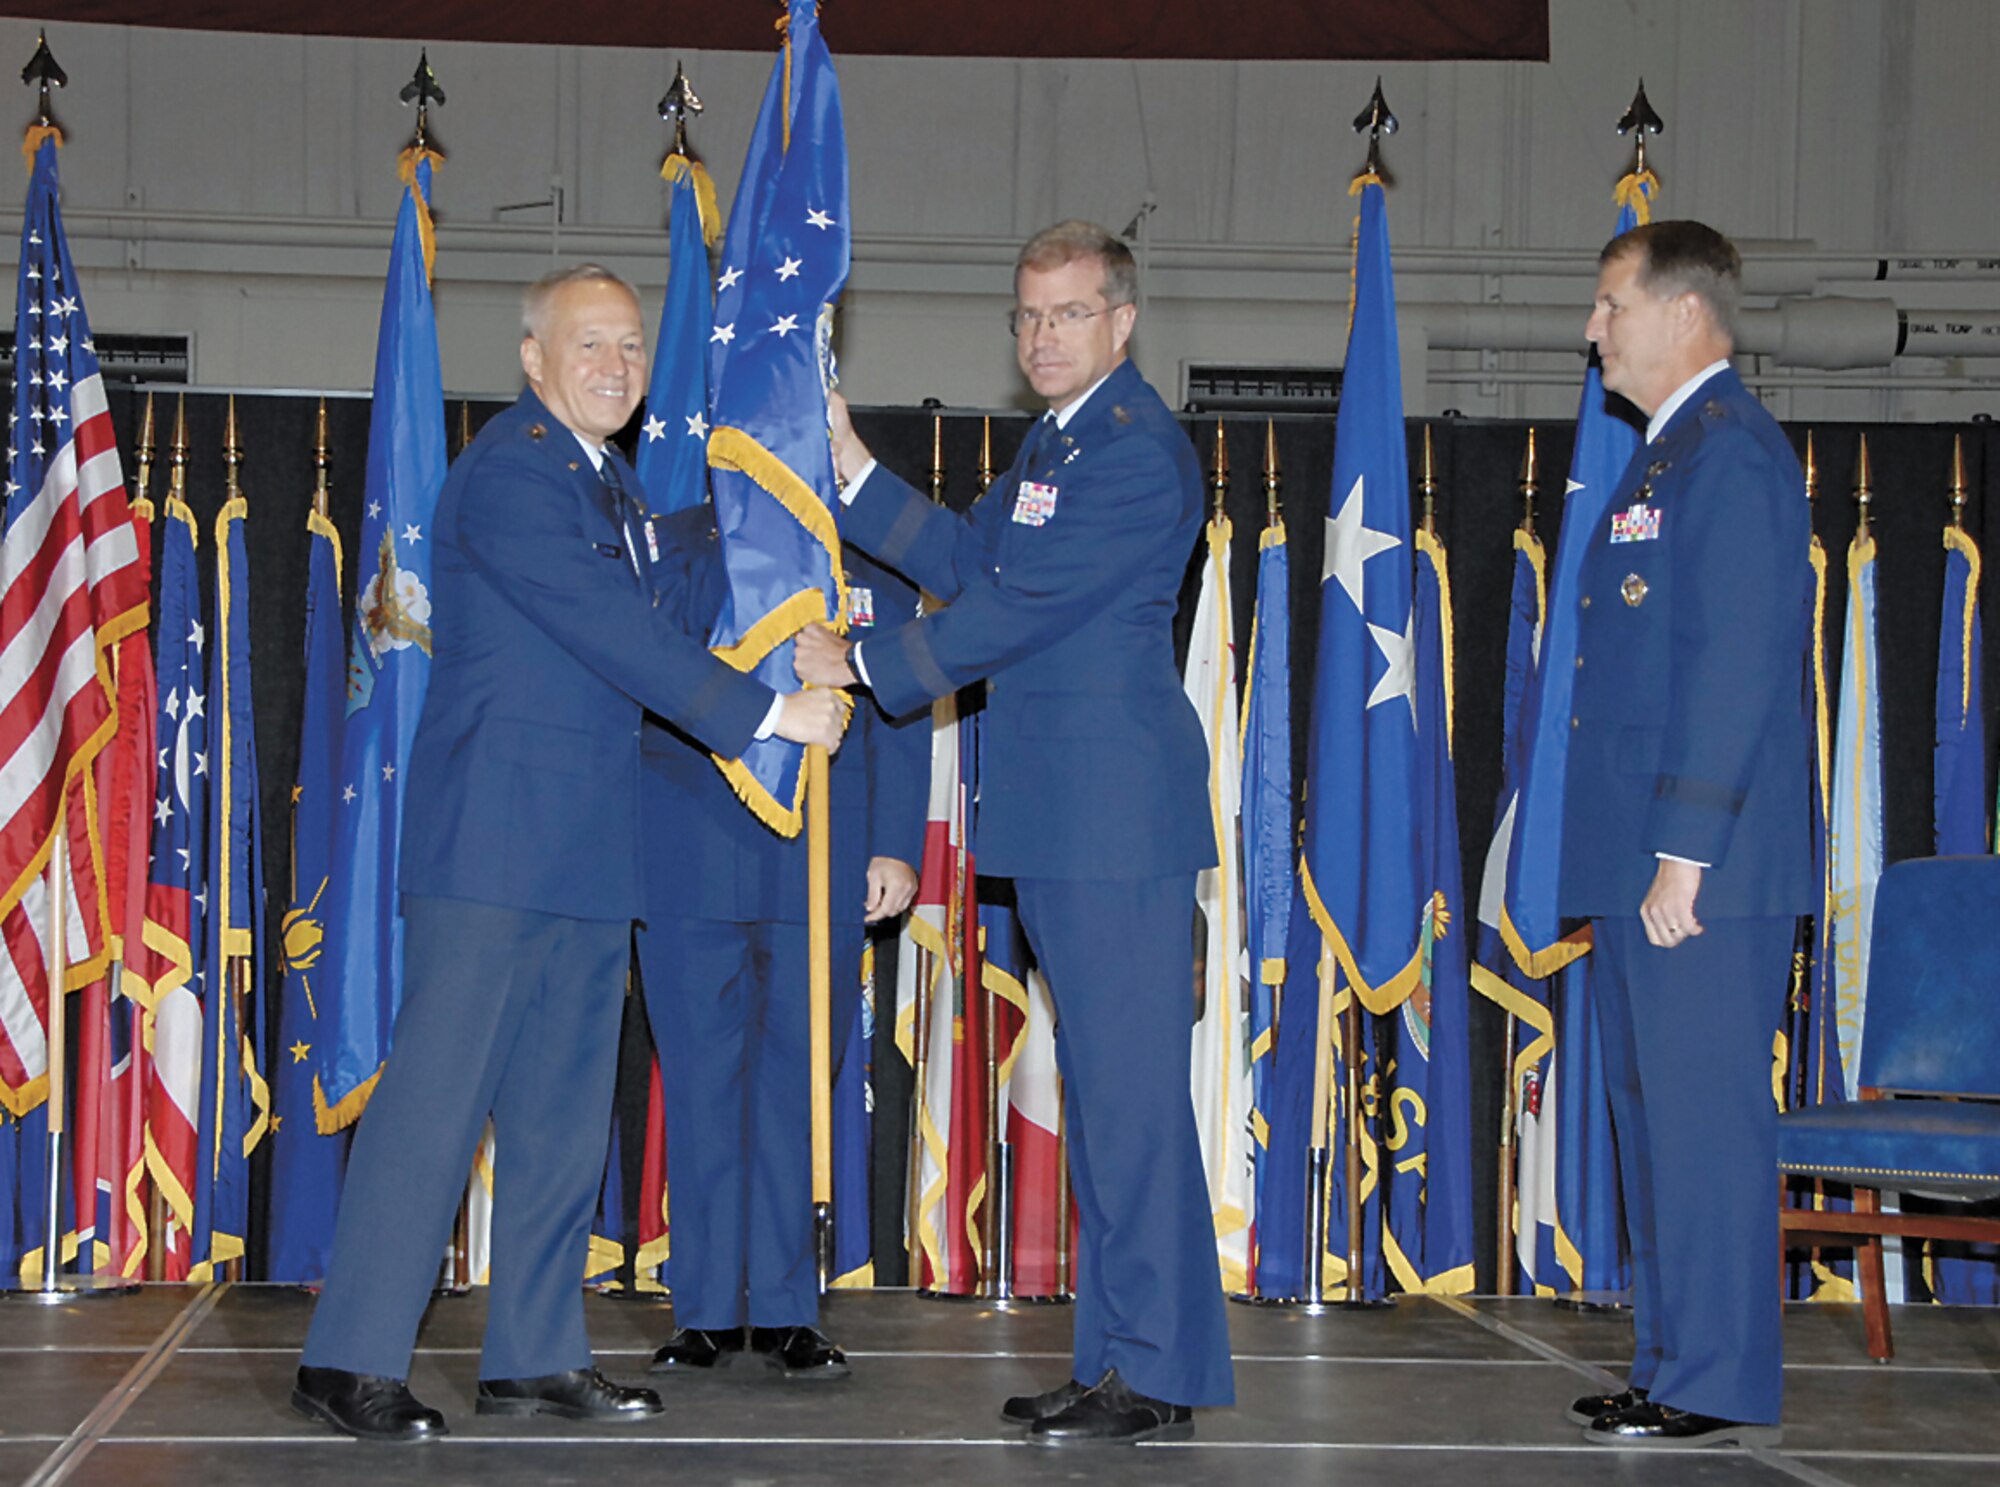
column 1640, row 120
column 680, row 104
column 44, row 72
column 423, row 91
column 1375, row 121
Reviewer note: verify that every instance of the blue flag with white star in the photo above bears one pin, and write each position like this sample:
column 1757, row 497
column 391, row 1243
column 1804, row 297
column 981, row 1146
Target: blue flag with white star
column 673, row 443
column 388, row 672
column 306, row 1167
column 784, row 263
column 1360, row 868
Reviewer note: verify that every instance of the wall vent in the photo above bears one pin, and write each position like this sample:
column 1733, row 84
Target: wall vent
column 1213, row 387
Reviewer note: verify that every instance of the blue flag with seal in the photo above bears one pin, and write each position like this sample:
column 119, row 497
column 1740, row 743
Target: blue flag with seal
column 388, row 672
column 673, row 442
column 784, row 262
column 306, row 1166
column 235, row 1100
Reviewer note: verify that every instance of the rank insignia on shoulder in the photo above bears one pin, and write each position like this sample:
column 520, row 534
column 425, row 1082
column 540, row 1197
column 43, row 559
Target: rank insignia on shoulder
column 1636, row 523
column 1034, row 503
column 1121, row 413
column 1633, row 590
column 860, row 605
column 538, row 431
column 1714, row 408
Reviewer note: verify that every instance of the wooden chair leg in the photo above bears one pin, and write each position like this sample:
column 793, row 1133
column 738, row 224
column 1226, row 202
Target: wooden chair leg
column 1874, row 1286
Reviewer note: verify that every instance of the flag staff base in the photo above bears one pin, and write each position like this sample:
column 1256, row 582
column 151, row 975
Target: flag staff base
column 1594, row 1303
column 57, row 1289
column 823, row 1245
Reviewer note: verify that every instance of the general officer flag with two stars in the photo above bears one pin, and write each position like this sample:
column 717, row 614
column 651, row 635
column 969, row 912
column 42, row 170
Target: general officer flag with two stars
column 673, row 443
column 784, row 263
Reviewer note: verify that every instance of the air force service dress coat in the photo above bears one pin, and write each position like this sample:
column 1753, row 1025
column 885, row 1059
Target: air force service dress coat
column 520, row 875
column 1060, row 587
column 1690, row 738
column 724, row 956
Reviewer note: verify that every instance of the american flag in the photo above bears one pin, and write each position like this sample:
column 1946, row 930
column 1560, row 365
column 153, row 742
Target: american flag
column 71, row 584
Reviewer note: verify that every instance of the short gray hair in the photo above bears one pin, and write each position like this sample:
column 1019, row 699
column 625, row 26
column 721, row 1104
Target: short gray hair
column 1066, row 242
column 1685, row 258
column 535, row 298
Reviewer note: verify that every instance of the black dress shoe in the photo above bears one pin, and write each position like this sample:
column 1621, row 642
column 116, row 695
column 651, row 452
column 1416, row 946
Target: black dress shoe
column 1662, row 1427
column 580, row 1394
column 365, row 1405
column 1597, row 1406
column 1026, row 1409
column 697, row 1350
column 799, row 1352
column 1112, row 1414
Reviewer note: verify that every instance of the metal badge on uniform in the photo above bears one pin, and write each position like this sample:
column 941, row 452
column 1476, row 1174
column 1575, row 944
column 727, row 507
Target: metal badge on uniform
column 860, row 605
column 652, row 542
column 1634, row 590
column 1637, row 523
column 1034, row 503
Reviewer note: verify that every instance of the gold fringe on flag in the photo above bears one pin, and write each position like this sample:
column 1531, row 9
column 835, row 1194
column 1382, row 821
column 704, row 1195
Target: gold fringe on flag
column 32, row 140
column 1636, row 190
column 681, row 168
column 406, row 172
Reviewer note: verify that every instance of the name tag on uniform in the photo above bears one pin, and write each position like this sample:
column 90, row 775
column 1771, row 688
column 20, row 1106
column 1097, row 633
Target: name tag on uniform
column 860, row 605
column 1034, row 504
column 1640, row 523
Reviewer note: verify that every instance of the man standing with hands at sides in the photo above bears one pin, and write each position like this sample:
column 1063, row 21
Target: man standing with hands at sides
column 520, row 879
column 1060, row 586
column 1686, row 835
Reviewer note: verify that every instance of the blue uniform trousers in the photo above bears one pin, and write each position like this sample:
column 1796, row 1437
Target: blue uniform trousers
column 1119, row 961
column 1687, row 1054
column 728, row 1005
column 511, row 1012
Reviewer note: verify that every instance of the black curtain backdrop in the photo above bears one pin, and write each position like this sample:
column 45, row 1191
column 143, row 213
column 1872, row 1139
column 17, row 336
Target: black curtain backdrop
column 1477, row 463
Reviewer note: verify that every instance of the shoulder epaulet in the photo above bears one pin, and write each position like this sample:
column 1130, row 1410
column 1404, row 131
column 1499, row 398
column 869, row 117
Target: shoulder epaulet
column 1715, row 410
column 536, row 431
column 1121, row 413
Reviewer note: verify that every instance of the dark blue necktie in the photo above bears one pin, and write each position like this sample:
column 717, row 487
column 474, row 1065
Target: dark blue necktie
column 621, row 504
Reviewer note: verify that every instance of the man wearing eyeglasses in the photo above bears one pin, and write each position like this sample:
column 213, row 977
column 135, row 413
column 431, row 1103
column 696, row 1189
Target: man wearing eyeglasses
column 1061, row 586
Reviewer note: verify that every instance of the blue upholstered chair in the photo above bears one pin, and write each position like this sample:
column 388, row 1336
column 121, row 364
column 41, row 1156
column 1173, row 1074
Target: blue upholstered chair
column 1928, row 1120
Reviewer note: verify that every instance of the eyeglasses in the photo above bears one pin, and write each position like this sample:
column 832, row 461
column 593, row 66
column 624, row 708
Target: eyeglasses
column 1061, row 318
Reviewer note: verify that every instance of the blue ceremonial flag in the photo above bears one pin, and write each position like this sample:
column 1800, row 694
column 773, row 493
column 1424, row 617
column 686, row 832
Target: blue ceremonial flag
column 783, row 265
column 1426, row 1135
column 235, row 1101
column 673, row 443
column 388, row 672
column 1360, row 866
column 1605, row 444
column 1269, row 881
column 853, row 1124
column 306, row 1166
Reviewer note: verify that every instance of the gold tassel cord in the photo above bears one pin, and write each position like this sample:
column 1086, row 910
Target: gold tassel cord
column 683, row 168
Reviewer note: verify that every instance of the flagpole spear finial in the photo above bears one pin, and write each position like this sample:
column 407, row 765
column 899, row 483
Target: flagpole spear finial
column 985, row 453
column 322, row 460
column 148, row 444
column 680, row 103
column 232, row 452
column 1864, row 486
column 1958, row 488
column 464, row 423
column 1427, row 485
column 178, row 452
column 1812, row 468
column 1375, row 121
column 1274, row 478
column 422, row 90
column 1218, row 474
column 937, row 459
column 1530, row 484
column 1640, row 120
column 44, row 73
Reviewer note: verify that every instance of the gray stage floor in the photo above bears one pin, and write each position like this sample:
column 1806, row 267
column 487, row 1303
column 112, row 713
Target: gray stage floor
column 173, row 1387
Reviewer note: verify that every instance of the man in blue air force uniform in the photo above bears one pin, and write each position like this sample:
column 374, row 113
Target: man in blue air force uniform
column 1686, row 835
column 520, row 877
column 1061, row 586
column 724, row 957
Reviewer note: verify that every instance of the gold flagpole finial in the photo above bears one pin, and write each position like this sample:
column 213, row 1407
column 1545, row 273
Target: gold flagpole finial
column 1274, row 478
column 322, row 461
column 178, row 452
column 1958, row 487
column 1218, row 473
column 1812, row 468
column 146, row 447
column 1864, row 487
column 937, row 459
column 232, row 452
column 985, row 453
column 1530, row 484
column 1427, row 485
